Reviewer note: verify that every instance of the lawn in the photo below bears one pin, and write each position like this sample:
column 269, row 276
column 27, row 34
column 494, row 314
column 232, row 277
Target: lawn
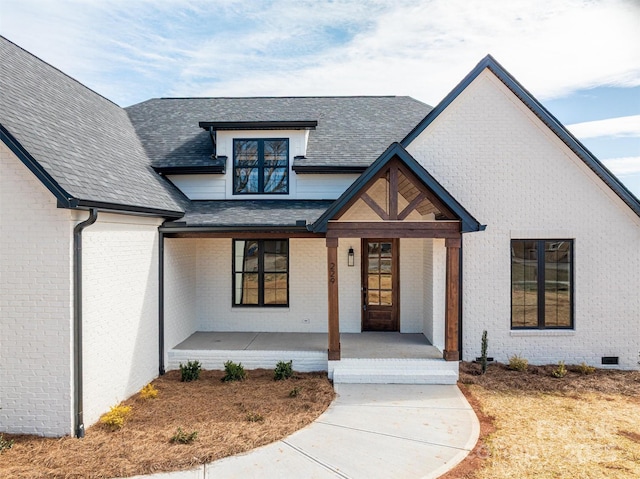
column 536, row 426
column 229, row 417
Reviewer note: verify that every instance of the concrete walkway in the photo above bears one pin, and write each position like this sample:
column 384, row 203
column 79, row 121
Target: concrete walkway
column 369, row 431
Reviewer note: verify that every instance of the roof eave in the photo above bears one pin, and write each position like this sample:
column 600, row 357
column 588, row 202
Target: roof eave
column 63, row 197
column 259, row 125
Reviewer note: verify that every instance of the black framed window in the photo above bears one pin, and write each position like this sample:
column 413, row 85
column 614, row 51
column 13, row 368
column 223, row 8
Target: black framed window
column 260, row 272
column 261, row 166
column 541, row 284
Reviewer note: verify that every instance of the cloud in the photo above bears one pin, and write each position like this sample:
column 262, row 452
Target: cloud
column 623, row 166
column 625, row 126
column 130, row 51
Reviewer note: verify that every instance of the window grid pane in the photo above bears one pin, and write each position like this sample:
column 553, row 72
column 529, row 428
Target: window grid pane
column 261, row 166
column 541, row 284
column 261, row 272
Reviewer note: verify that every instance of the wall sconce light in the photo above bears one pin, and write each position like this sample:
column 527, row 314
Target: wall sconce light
column 351, row 258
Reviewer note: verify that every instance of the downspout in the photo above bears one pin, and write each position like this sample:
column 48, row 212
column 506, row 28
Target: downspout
column 161, row 369
column 77, row 319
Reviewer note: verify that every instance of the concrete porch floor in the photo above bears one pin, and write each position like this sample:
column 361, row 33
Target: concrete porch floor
column 371, row 345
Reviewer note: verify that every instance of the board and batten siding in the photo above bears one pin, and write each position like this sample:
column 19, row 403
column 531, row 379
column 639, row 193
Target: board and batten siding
column 516, row 176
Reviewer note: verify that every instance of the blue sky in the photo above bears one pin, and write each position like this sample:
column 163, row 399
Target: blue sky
column 580, row 58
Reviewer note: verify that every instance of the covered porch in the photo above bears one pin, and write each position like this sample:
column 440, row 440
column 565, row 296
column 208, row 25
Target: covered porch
column 366, row 287
column 390, row 357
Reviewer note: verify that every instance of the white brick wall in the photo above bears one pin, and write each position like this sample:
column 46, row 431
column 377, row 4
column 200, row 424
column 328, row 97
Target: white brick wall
column 516, row 176
column 180, row 300
column 307, row 291
column 412, row 286
column 120, row 310
column 435, row 290
column 35, row 305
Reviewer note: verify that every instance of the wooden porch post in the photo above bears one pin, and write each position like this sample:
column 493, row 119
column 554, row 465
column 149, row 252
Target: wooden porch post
column 332, row 287
column 452, row 313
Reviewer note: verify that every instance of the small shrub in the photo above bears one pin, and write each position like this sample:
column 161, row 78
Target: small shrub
column 182, row 437
column 585, row 369
column 116, row 417
column 234, row 372
column 254, row 417
column 5, row 444
column 483, row 356
column 191, row 371
column 295, row 392
column 283, row 370
column 518, row 363
column 149, row 392
column 560, row 371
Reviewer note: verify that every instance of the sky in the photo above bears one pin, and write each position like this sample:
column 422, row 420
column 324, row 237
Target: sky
column 579, row 58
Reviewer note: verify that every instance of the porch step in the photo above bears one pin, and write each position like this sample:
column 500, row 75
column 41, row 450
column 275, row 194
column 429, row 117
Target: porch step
column 393, row 371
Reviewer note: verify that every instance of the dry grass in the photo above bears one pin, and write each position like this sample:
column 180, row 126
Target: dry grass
column 217, row 411
column 580, row 426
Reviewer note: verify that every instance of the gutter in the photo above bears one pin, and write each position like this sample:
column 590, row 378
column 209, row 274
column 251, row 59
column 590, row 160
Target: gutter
column 181, row 227
column 77, row 320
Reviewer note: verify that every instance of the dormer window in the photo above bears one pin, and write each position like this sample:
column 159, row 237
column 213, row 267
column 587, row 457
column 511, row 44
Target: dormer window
column 260, row 166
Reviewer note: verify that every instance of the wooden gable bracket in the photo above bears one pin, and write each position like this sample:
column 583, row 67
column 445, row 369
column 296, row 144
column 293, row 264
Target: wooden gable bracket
column 400, row 182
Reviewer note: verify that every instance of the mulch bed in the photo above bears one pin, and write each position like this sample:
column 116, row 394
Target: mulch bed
column 229, row 418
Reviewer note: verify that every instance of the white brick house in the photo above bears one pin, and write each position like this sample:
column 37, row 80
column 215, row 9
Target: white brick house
column 126, row 232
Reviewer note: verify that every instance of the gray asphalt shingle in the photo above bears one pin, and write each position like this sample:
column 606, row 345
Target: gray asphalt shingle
column 233, row 213
column 84, row 141
column 351, row 131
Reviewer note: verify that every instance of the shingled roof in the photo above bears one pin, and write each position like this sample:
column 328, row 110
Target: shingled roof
column 247, row 214
column 351, row 132
column 81, row 145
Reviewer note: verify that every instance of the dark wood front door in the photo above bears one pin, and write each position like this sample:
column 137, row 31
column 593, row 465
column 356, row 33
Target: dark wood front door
column 380, row 280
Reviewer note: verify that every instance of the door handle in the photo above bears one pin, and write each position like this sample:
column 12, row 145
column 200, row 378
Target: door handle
column 364, row 299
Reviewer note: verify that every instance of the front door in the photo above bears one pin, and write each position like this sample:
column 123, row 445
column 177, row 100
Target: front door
column 380, row 280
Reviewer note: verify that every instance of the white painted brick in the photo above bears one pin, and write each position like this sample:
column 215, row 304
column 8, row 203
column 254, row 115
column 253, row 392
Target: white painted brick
column 35, row 305
column 180, row 289
column 120, row 311
column 307, row 294
column 514, row 175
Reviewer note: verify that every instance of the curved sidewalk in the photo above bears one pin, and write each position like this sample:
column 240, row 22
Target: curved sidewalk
column 369, row 431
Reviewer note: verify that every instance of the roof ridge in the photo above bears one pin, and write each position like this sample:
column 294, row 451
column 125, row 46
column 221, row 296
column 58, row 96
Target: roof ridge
column 60, row 71
column 275, row 97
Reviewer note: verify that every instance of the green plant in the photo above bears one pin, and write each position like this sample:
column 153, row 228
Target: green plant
column 483, row 356
column 116, row 417
column 283, row 370
column 149, row 392
column 518, row 363
column 234, row 372
column 254, row 417
column 182, row 437
column 560, row 371
column 585, row 369
column 5, row 444
column 295, row 392
column 191, row 371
